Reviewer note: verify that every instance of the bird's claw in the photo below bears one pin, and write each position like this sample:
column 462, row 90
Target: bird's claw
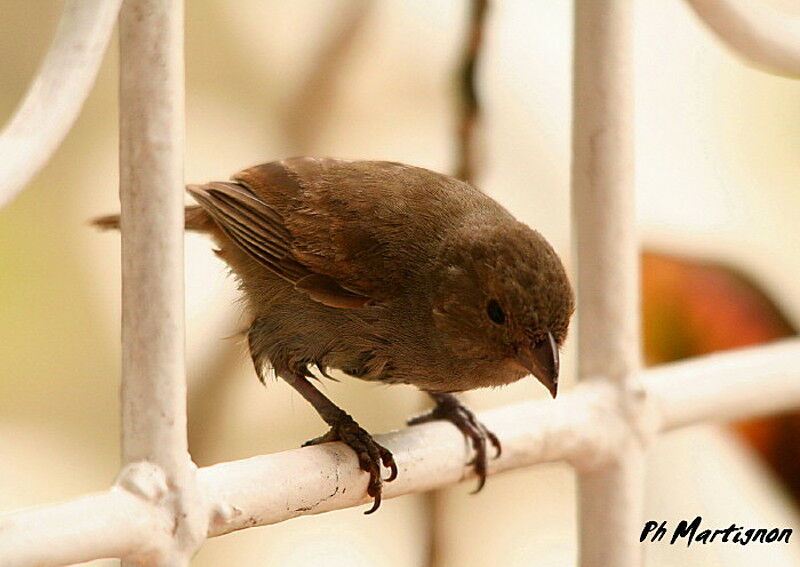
column 370, row 455
column 450, row 409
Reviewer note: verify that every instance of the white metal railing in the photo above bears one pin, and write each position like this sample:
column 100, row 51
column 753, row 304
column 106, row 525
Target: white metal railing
column 161, row 508
column 154, row 431
column 56, row 95
column 610, row 496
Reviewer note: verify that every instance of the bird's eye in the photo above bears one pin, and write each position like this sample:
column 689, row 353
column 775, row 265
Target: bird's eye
column 495, row 312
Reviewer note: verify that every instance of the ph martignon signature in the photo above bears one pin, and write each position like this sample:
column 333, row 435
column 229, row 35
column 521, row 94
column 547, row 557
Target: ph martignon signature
column 691, row 532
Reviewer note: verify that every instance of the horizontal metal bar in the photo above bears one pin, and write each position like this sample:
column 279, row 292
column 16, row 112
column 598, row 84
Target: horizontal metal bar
column 727, row 386
column 273, row 488
column 115, row 523
column 583, row 428
column 756, row 32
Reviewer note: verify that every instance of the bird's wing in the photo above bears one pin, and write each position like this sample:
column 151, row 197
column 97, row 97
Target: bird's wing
column 345, row 232
column 259, row 230
column 375, row 227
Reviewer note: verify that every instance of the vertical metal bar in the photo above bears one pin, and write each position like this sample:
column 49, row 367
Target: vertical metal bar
column 151, row 194
column 608, row 270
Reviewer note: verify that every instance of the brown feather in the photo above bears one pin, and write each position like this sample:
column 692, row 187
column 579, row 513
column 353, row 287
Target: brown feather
column 195, row 219
column 382, row 270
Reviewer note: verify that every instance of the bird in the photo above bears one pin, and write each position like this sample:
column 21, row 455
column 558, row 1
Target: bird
column 389, row 273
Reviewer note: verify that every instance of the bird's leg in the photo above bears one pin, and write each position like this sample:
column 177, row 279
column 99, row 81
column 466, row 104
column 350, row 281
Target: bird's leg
column 449, row 408
column 343, row 427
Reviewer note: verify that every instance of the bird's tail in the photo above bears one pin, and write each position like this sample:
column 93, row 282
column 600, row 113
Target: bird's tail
column 196, row 219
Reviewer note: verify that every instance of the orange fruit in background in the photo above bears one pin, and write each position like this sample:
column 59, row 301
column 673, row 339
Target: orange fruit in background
column 692, row 307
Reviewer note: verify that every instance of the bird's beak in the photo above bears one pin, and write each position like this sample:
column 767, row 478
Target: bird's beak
column 541, row 360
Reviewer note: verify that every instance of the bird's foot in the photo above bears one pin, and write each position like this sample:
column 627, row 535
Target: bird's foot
column 449, row 408
column 370, row 454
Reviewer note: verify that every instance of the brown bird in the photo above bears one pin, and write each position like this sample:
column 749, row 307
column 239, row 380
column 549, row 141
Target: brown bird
column 390, row 273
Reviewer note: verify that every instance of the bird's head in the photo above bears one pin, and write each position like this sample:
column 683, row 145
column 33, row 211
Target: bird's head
column 504, row 297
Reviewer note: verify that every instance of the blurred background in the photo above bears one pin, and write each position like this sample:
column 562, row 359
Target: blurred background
column 718, row 169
